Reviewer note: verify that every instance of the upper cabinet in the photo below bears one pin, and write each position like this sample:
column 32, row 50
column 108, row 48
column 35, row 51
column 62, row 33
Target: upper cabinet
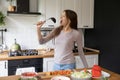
column 83, row 8
column 87, row 14
column 23, row 7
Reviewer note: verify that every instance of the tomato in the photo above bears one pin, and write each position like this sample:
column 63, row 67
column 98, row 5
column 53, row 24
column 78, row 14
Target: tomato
column 96, row 71
column 96, row 67
column 29, row 74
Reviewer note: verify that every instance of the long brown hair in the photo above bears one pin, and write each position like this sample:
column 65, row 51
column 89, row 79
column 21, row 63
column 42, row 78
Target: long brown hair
column 70, row 14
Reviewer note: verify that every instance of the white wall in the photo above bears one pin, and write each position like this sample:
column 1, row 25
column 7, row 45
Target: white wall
column 20, row 27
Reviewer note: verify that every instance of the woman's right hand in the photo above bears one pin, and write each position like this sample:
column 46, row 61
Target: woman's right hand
column 40, row 23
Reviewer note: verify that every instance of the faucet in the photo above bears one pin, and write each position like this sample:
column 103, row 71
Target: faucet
column 2, row 46
column 3, row 30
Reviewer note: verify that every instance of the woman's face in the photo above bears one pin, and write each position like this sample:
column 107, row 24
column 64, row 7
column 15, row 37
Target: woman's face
column 64, row 21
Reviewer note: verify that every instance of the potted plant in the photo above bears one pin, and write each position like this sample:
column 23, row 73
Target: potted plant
column 2, row 19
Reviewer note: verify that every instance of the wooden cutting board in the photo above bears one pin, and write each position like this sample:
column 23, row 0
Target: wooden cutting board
column 45, row 75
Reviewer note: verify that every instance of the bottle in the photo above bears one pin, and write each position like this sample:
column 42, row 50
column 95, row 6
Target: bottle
column 5, row 47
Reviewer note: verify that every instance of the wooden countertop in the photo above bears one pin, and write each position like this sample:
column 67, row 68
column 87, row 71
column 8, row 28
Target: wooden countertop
column 113, row 76
column 43, row 54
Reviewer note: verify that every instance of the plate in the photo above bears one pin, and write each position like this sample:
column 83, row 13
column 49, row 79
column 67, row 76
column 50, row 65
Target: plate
column 60, row 78
column 105, row 74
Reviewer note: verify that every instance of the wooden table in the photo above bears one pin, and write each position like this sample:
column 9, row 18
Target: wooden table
column 113, row 76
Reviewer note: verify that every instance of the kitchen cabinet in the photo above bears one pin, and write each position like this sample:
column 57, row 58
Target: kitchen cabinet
column 84, row 9
column 86, row 14
column 3, row 68
column 25, row 64
column 91, row 59
column 48, row 64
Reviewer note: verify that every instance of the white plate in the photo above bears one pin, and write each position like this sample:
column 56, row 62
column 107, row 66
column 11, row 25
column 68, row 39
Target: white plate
column 104, row 74
column 60, row 78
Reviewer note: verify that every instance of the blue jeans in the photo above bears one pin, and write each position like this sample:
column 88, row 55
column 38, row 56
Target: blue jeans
column 64, row 66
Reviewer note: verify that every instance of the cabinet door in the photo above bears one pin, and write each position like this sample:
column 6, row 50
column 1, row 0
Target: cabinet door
column 4, row 68
column 50, row 8
column 87, row 14
column 75, row 5
column 68, row 4
column 91, row 60
column 79, row 63
column 54, row 8
column 48, row 64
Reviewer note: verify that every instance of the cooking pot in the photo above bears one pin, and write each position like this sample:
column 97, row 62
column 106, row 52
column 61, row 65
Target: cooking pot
column 15, row 47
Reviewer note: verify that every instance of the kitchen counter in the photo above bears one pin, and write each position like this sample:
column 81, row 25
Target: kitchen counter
column 113, row 76
column 43, row 54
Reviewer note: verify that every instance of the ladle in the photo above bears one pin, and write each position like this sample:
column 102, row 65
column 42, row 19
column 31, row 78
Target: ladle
column 52, row 18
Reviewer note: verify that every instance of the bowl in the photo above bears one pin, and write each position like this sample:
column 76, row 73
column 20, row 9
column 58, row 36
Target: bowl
column 82, row 75
column 100, row 78
column 29, row 76
column 97, row 78
column 60, row 78
column 73, row 78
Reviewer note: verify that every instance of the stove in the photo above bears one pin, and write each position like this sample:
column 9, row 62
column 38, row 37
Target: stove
column 27, row 52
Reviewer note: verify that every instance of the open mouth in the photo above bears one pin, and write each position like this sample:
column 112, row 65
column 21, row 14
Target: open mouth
column 60, row 21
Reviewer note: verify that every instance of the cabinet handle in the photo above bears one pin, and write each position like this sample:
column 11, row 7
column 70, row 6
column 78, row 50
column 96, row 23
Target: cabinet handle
column 86, row 26
column 5, row 65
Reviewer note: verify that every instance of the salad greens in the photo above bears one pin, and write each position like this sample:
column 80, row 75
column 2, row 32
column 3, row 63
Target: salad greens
column 28, row 79
column 81, row 74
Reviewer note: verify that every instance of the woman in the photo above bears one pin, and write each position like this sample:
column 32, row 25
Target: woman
column 65, row 35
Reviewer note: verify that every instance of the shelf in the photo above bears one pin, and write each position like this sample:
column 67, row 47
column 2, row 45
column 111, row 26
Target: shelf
column 26, row 13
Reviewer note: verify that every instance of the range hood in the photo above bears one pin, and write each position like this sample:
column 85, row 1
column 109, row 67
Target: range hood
column 26, row 7
column 30, row 13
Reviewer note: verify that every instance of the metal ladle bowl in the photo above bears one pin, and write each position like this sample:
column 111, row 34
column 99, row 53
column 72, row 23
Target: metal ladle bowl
column 52, row 18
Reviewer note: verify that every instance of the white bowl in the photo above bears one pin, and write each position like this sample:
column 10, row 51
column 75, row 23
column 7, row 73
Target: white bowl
column 81, row 75
column 73, row 78
column 60, row 78
column 29, row 76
